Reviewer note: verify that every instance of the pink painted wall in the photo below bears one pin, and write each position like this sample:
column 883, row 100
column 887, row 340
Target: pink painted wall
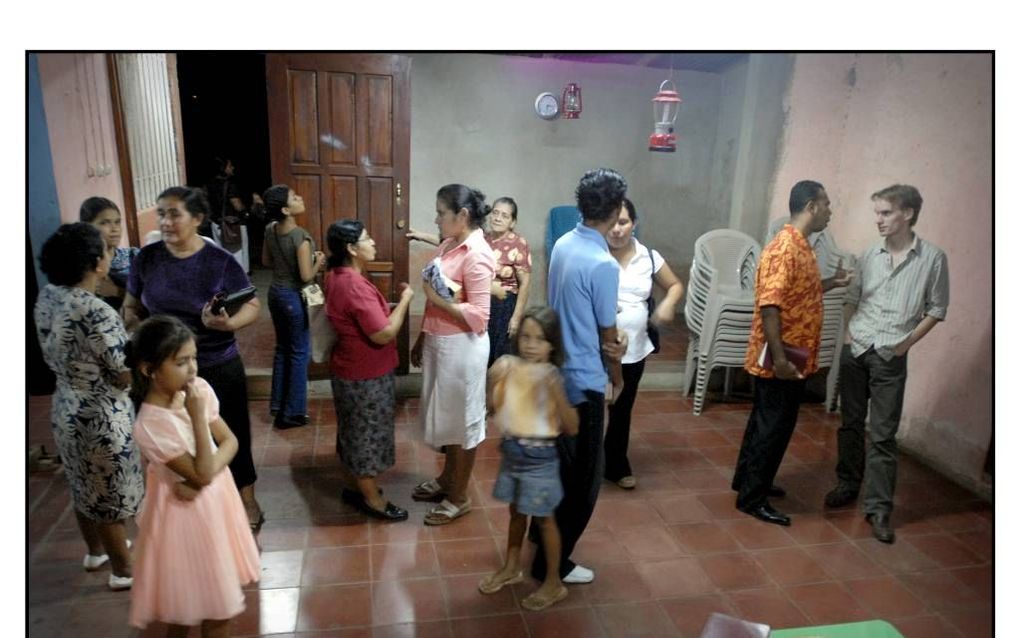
column 858, row 123
column 79, row 115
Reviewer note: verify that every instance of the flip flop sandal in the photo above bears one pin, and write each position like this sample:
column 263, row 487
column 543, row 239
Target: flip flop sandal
column 534, row 602
column 257, row 525
column 446, row 512
column 489, row 586
column 430, row 491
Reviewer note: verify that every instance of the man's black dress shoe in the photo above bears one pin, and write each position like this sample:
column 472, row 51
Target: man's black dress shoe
column 767, row 514
column 880, row 528
column 390, row 513
column 776, row 492
column 840, row 496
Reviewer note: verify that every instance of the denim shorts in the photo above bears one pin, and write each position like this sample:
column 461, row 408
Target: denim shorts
column 529, row 477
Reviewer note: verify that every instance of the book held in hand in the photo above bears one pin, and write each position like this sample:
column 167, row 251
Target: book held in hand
column 796, row 355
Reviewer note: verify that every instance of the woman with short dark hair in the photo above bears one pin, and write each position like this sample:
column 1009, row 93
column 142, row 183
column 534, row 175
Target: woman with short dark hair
column 83, row 340
column 361, row 367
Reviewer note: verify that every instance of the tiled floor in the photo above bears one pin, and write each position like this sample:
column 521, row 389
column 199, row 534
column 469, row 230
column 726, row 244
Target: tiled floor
column 666, row 555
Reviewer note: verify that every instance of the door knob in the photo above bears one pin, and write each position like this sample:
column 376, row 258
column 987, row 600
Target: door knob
column 401, row 223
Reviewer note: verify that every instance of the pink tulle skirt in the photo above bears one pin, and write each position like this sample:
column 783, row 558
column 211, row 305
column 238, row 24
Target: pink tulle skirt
column 192, row 557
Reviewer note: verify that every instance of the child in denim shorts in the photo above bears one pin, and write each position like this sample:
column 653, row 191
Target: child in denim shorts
column 525, row 394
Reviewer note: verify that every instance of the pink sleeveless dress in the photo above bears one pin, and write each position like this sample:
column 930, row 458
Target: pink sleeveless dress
column 192, row 557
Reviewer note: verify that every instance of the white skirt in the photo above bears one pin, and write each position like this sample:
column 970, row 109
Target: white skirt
column 452, row 404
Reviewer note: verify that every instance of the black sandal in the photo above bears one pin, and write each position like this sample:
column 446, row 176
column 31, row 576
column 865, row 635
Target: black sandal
column 257, row 525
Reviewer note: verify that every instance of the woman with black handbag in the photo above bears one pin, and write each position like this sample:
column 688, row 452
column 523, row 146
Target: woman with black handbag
column 639, row 317
column 289, row 250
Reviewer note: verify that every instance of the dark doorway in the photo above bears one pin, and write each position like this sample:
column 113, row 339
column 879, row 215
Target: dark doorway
column 223, row 113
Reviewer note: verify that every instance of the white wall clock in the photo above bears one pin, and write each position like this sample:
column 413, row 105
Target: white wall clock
column 547, row 106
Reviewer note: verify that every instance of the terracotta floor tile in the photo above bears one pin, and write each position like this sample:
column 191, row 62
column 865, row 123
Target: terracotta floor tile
column 808, row 531
column 929, row 626
column 649, row 542
column 684, row 459
column 675, row 578
column 336, row 565
column 621, row 514
column 733, row 571
column 615, row 583
column 705, row 480
column 107, row 619
column 467, row 556
column 945, row 550
column 558, row 623
column 281, row 569
column 435, row 629
column 636, row 619
column 980, row 542
column 268, row 611
column 599, row 547
column 722, row 505
column 897, row 558
column 472, row 525
column 770, row 606
column 319, row 607
column 844, row 560
column 981, row 580
column 404, row 601
column 941, row 590
column 505, row 626
column 705, row 538
column 404, row 560
column 681, row 509
column 826, row 603
column 723, row 456
column 464, row 599
column 340, row 532
column 886, row 597
column 690, row 614
column 790, row 566
column 973, row 623
column 755, row 534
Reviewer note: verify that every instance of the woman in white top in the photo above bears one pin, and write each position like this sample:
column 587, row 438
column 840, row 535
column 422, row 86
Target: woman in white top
column 639, row 267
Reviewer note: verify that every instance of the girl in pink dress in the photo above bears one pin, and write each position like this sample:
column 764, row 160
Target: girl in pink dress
column 195, row 548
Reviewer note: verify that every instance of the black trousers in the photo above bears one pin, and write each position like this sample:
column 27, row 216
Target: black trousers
column 866, row 378
column 769, row 428
column 618, row 429
column 581, row 469
column 500, row 311
column 228, row 382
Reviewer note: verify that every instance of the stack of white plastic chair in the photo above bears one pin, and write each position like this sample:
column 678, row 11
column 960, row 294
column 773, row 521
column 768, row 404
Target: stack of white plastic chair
column 832, row 332
column 719, row 307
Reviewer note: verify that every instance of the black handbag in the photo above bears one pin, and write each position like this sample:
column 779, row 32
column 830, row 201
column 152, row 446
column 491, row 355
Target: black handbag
column 652, row 329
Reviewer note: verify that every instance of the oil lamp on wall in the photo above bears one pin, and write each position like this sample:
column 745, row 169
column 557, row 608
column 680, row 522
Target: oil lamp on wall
column 665, row 106
column 571, row 102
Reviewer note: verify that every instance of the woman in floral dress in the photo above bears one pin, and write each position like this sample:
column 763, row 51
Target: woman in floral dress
column 83, row 341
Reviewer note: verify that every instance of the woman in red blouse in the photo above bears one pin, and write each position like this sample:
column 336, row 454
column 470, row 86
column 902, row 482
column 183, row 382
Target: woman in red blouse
column 513, row 276
column 453, row 348
column 361, row 367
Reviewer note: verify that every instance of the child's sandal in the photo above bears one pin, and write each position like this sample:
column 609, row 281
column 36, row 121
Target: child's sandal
column 489, row 584
column 535, row 602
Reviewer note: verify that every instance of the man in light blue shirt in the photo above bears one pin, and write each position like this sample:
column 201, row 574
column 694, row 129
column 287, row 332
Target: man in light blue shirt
column 583, row 283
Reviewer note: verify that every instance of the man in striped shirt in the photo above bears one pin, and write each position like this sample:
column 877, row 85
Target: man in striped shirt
column 901, row 292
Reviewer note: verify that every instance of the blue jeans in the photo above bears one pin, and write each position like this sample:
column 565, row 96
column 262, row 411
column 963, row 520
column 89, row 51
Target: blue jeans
column 289, row 395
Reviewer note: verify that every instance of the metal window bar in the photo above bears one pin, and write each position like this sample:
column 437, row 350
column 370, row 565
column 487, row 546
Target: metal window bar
column 148, row 120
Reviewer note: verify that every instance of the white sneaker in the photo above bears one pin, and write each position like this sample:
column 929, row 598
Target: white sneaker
column 579, row 575
column 92, row 563
column 118, row 583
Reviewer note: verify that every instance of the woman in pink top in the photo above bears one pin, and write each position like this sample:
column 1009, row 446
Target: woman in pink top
column 453, row 346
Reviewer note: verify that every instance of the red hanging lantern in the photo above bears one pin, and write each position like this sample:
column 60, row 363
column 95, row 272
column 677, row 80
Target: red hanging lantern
column 665, row 106
column 571, row 102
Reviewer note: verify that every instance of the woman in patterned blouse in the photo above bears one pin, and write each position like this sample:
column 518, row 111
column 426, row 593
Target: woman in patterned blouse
column 82, row 341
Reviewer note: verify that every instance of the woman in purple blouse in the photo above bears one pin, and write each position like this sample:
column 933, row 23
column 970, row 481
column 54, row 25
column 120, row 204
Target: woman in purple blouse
column 179, row 276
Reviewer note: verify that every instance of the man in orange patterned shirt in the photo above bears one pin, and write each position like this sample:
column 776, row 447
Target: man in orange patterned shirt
column 787, row 312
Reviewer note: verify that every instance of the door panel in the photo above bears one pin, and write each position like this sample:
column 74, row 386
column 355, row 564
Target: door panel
column 340, row 136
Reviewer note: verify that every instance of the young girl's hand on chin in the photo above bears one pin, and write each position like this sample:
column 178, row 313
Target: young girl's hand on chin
column 194, row 402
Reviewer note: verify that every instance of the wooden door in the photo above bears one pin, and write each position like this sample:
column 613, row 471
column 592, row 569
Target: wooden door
column 340, row 131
